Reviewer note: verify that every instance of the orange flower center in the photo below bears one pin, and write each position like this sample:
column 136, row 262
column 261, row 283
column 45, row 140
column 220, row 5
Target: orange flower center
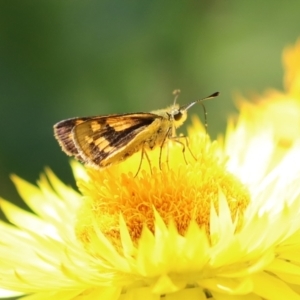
column 180, row 193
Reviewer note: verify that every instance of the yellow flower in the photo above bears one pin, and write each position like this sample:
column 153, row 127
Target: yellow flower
column 223, row 226
column 276, row 109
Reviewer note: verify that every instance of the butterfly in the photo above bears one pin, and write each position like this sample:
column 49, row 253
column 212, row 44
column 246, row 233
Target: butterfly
column 101, row 141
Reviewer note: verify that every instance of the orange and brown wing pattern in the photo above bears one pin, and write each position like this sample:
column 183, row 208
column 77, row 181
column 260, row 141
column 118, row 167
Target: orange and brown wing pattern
column 96, row 139
column 63, row 134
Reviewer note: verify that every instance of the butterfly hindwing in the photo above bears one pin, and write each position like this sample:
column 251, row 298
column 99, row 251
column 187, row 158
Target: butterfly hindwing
column 63, row 133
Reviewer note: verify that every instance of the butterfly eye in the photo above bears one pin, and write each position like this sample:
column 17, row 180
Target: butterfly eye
column 177, row 116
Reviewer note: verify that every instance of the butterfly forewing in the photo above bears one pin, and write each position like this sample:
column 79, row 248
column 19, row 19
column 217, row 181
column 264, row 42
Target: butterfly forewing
column 101, row 141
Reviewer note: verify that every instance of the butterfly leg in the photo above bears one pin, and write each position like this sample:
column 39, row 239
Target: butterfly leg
column 167, row 159
column 175, row 139
column 143, row 152
column 186, row 144
column 149, row 161
column 161, row 148
column 140, row 164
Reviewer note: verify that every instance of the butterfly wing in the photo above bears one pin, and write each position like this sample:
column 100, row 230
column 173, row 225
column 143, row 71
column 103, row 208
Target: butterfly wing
column 63, row 134
column 101, row 141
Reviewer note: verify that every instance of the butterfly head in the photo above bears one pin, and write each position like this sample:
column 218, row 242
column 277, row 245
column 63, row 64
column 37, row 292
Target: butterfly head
column 179, row 114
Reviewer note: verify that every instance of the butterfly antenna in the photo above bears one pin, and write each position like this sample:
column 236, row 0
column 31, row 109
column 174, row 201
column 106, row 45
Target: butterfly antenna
column 216, row 94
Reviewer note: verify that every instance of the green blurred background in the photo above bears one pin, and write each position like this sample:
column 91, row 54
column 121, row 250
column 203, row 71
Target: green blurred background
column 61, row 59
